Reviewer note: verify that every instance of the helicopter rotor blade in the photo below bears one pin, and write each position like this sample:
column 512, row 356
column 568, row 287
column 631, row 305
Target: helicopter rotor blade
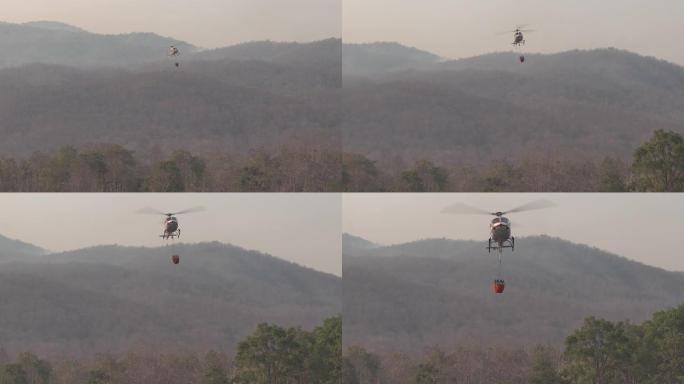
column 189, row 210
column 150, row 211
column 464, row 209
column 537, row 204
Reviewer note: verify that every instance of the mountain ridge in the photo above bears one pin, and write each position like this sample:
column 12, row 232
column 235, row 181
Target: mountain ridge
column 437, row 292
column 204, row 107
column 489, row 109
column 112, row 298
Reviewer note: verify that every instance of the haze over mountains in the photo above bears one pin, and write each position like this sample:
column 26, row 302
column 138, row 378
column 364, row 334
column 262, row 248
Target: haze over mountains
column 50, row 42
column 61, row 85
column 405, row 102
column 438, row 292
column 113, row 298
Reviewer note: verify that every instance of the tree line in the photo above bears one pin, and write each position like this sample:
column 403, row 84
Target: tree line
column 113, row 168
column 270, row 355
column 657, row 166
column 598, row 352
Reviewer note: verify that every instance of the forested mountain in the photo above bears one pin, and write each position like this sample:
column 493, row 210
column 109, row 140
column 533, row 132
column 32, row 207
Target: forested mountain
column 488, row 109
column 438, row 292
column 46, row 107
column 114, row 299
column 61, row 85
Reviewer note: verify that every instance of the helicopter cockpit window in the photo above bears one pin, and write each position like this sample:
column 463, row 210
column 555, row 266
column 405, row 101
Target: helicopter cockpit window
column 497, row 220
column 504, row 220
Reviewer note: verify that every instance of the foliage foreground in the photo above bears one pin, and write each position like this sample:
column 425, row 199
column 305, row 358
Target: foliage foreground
column 599, row 352
column 270, row 355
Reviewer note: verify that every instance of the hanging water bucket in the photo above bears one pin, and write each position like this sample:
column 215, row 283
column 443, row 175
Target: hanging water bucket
column 498, row 286
column 175, row 259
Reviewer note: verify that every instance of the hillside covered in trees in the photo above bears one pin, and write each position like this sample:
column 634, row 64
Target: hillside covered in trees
column 61, row 86
column 270, row 354
column 490, row 110
column 437, row 292
column 113, row 299
column 86, row 112
column 598, row 351
column 657, row 165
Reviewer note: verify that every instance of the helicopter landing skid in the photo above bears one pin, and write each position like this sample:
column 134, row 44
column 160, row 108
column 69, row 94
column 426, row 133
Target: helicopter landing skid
column 506, row 244
column 170, row 236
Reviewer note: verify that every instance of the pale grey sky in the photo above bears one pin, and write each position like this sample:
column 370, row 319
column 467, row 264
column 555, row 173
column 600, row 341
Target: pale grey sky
column 643, row 227
column 463, row 28
column 207, row 23
column 303, row 228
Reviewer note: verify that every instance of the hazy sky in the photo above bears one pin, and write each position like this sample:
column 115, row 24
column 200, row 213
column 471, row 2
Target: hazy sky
column 462, row 28
column 303, row 228
column 643, row 227
column 207, row 23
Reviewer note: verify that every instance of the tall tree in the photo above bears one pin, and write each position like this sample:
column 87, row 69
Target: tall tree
column 664, row 346
column 587, row 352
column 544, row 369
column 360, row 366
column 424, row 176
column 325, row 357
column 659, row 163
column 166, row 177
column 271, row 355
column 612, row 176
column 602, row 352
column 360, row 174
column 192, row 171
column 215, row 371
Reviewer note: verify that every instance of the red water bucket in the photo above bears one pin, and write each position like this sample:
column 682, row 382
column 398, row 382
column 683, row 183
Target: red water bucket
column 522, row 59
column 175, row 259
column 498, row 286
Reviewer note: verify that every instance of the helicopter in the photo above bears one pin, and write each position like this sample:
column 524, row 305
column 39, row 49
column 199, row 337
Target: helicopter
column 500, row 232
column 174, row 53
column 171, row 228
column 519, row 38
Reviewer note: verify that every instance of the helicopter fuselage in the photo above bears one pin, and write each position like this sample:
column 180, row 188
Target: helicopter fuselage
column 171, row 228
column 518, row 38
column 500, row 234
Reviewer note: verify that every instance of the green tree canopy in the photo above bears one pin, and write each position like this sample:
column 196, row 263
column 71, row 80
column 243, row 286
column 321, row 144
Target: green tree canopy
column 659, row 163
column 424, row 176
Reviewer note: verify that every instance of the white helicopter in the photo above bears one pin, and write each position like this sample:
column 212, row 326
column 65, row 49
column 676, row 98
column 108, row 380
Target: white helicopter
column 500, row 231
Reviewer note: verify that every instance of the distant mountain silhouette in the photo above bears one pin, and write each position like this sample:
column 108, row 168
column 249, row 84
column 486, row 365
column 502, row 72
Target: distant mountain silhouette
column 113, row 298
column 378, row 58
column 11, row 249
column 352, row 244
column 49, row 42
column 438, row 292
column 54, row 26
column 277, row 52
column 588, row 104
